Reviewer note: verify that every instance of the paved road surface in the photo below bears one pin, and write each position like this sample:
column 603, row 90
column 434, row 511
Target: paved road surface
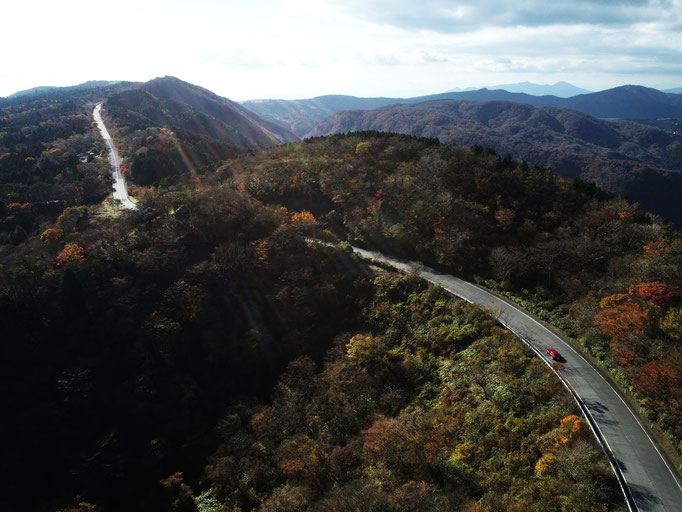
column 119, row 185
column 647, row 480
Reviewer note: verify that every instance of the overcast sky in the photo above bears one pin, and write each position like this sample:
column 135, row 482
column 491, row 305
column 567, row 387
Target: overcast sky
column 304, row 48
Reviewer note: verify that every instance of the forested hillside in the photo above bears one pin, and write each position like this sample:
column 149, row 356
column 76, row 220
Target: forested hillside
column 124, row 339
column 49, row 157
column 52, row 156
column 141, row 350
column 637, row 161
column 603, row 270
column 200, row 354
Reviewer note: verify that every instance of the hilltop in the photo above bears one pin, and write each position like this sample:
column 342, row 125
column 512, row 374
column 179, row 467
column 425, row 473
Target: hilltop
column 637, row 161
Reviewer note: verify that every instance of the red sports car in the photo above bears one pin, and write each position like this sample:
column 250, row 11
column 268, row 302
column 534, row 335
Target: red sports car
column 553, row 354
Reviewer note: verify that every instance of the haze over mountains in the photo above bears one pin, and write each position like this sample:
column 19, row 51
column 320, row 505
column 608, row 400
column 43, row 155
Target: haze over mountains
column 560, row 89
column 625, row 102
column 43, row 89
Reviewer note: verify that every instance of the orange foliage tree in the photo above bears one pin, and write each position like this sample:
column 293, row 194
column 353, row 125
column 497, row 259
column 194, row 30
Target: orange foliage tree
column 621, row 318
column 71, row 254
column 51, row 235
column 14, row 208
column 656, row 380
column 656, row 248
column 571, row 427
column 304, row 218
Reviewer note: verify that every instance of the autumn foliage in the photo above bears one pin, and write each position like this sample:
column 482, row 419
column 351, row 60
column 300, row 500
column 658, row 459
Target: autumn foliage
column 172, row 481
column 657, row 380
column 71, row 254
column 655, row 292
column 637, row 322
column 304, row 218
column 621, row 318
column 207, row 297
column 671, row 323
column 51, row 235
column 656, row 248
column 362, row 148
column 393, row 421
column 545, row 464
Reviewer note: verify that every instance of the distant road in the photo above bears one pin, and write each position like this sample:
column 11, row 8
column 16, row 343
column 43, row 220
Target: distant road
column 120, row 188
column 648, row 481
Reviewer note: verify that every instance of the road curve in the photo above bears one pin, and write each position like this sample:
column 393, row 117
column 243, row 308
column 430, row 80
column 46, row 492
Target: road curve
column 648, row 481
column 119, row 181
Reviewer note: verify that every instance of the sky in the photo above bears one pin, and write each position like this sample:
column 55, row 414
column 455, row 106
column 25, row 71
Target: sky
column 304, row 48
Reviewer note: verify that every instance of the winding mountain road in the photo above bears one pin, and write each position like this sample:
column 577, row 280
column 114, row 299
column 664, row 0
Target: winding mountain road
column 119, row 185
column 647, row 480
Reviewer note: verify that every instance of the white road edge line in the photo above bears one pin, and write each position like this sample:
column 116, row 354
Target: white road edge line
column 596, row 432
column 594, row 427
column 627, row 406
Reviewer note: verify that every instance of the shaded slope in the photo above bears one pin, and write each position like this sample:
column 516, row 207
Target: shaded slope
column 171, row 126
column 173, row 103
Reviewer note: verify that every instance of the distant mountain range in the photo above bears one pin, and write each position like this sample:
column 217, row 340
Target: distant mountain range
column 676, row 90
column 637, row 161
column 560, row 89
column 625, row 102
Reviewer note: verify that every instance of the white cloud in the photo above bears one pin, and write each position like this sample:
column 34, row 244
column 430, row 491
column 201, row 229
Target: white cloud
column 301, row 48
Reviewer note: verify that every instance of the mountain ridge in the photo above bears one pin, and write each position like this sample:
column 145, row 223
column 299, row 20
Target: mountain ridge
column 47, row 89
column 173, row 126
column 560, row 89
column 624, row 102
